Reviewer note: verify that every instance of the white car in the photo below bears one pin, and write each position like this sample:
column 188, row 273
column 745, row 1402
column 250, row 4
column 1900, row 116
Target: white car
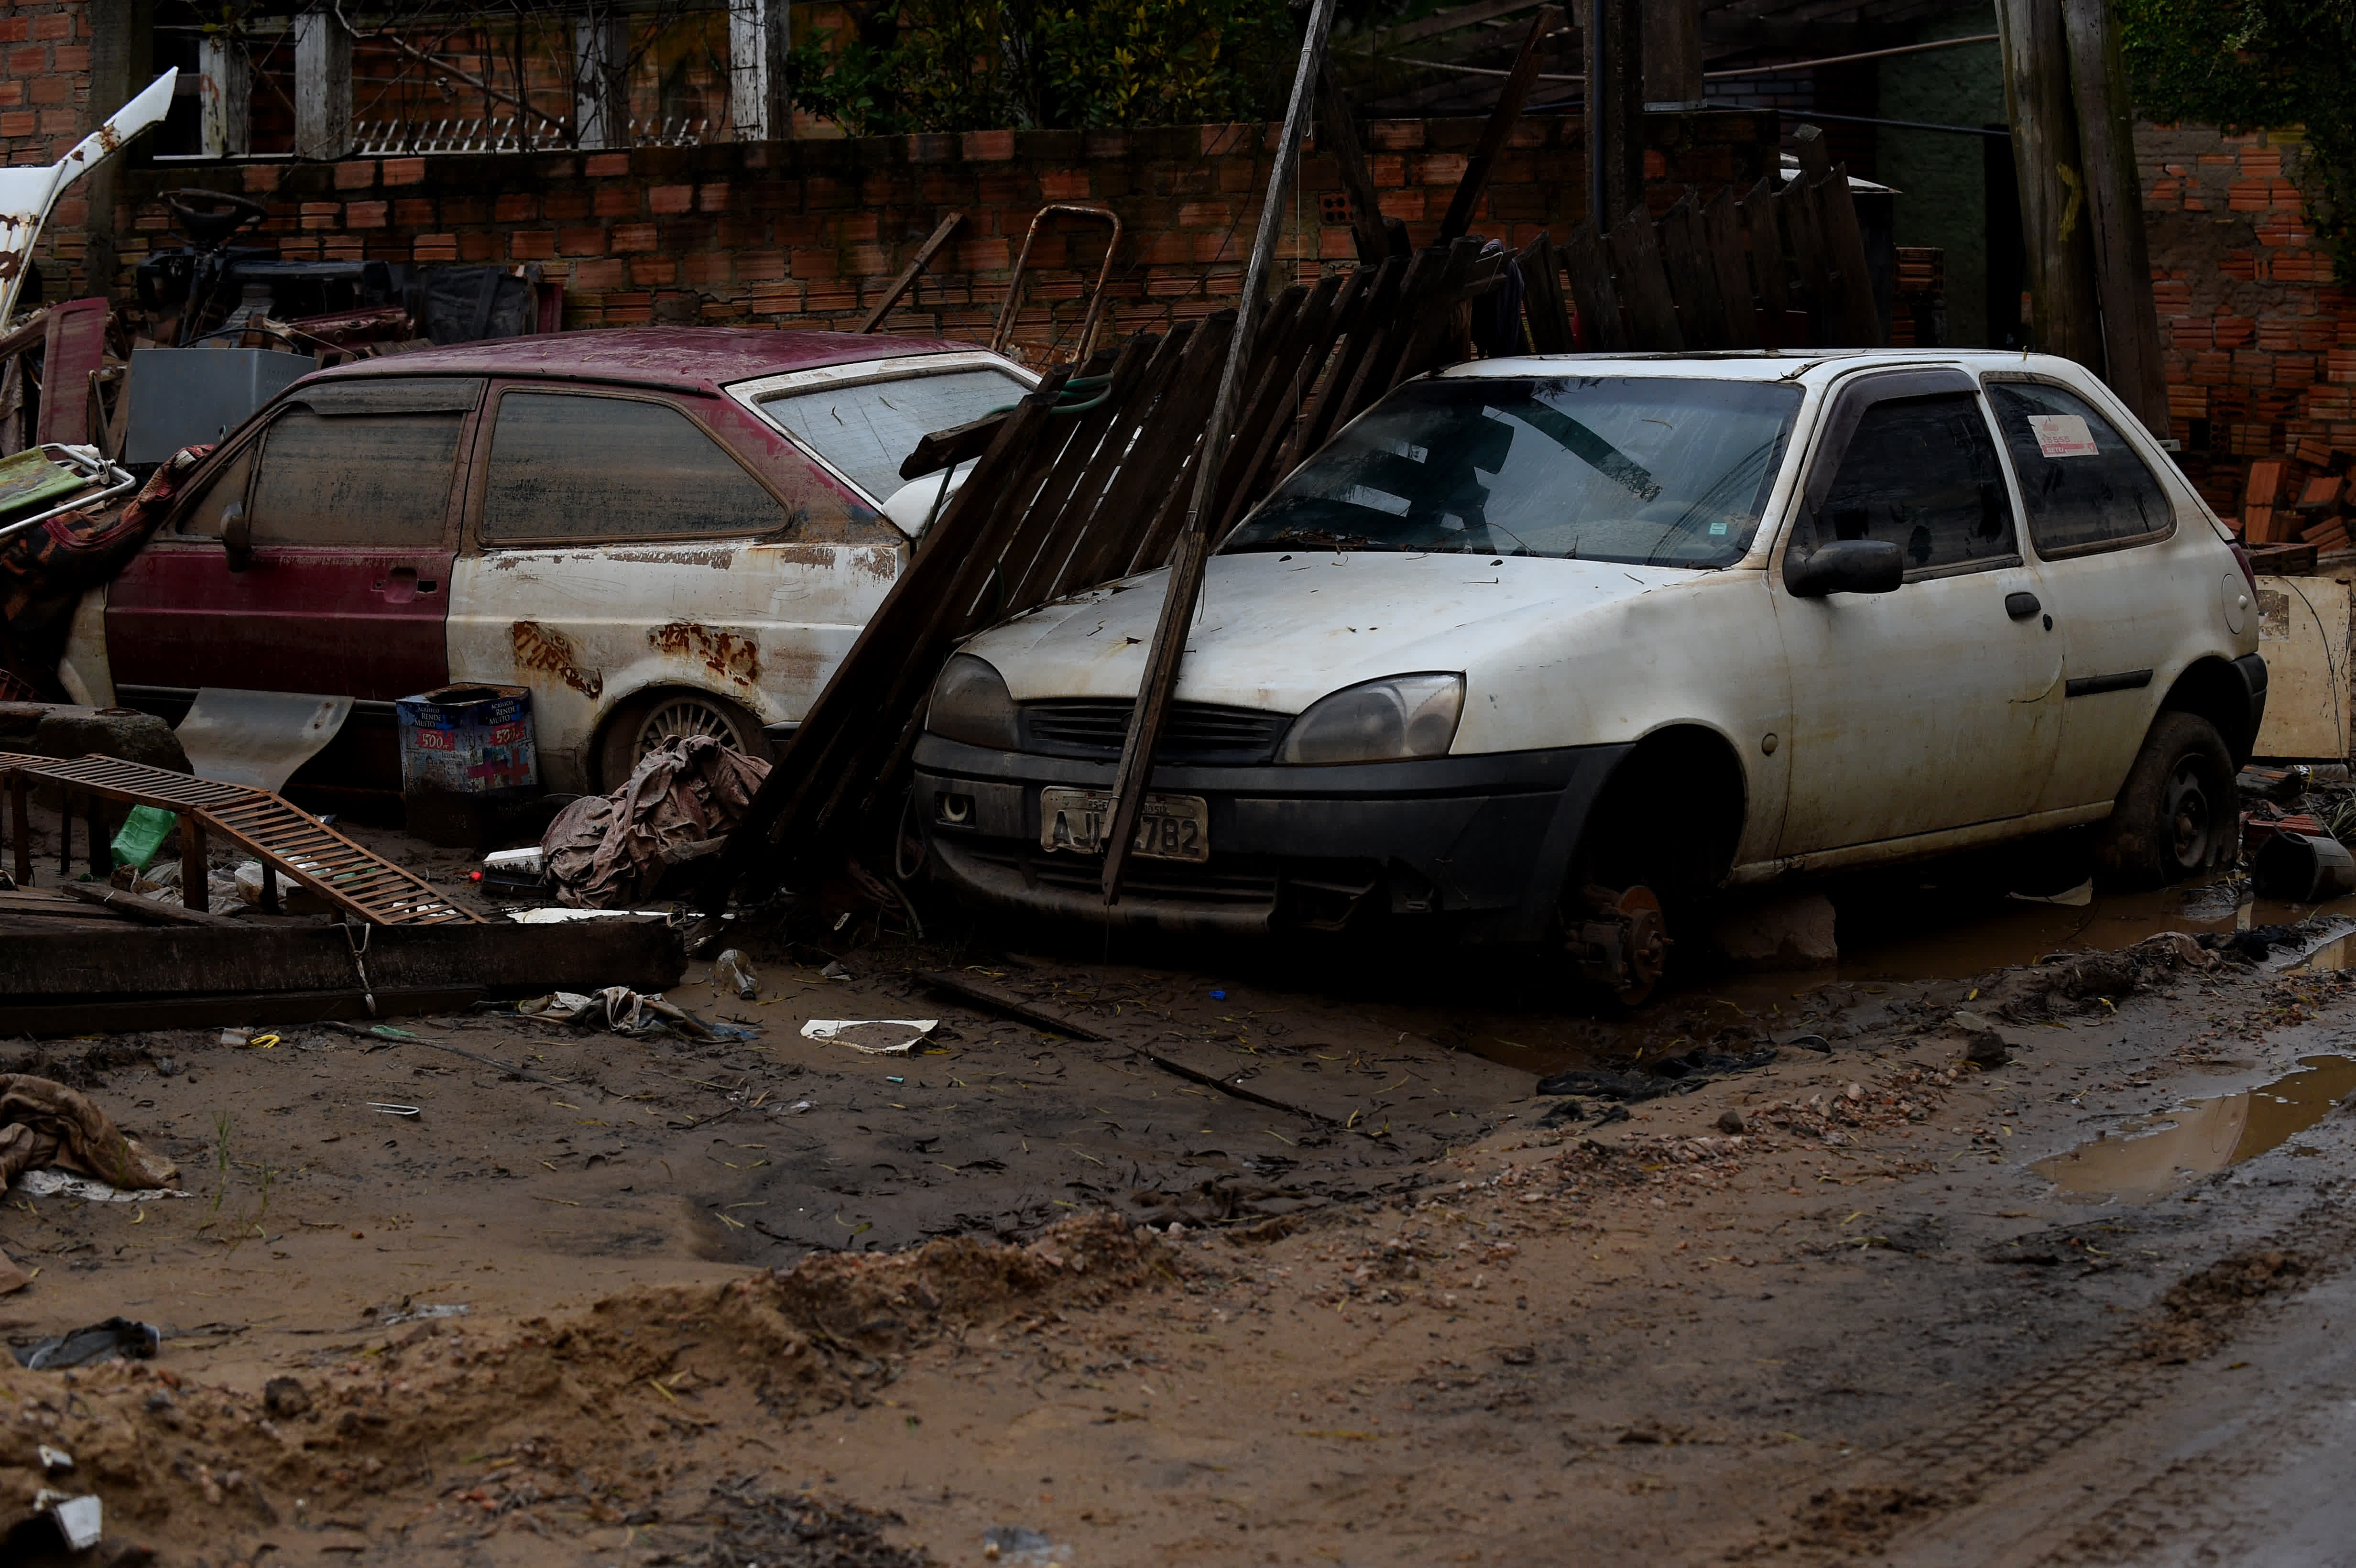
column 1539, row 647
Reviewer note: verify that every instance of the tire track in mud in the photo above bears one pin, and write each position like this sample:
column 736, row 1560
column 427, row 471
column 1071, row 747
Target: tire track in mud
column 2037, row 1418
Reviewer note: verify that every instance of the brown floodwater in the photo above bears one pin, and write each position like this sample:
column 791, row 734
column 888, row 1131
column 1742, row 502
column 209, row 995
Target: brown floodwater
column 2153, row 1157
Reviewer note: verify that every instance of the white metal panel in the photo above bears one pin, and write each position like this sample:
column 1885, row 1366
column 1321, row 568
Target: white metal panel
column 764, row 624
column 2303, row 637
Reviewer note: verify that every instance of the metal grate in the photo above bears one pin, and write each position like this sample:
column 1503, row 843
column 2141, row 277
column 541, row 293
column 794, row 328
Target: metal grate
column 322, row 860
column 1196, row 732
column 377, row 138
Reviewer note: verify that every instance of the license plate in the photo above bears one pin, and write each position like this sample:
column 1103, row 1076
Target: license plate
column 1172, row 827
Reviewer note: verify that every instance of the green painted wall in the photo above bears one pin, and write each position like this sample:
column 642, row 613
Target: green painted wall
column 1939, row 174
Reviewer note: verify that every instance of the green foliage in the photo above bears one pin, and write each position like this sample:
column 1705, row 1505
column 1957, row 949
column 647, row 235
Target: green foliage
column 972, row 65
column 2247, row 64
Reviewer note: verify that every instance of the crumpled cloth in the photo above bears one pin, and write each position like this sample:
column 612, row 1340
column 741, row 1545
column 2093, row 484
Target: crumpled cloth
column 43, row 1122
column 43, row 572
column 608, row 851
column 616, row 1007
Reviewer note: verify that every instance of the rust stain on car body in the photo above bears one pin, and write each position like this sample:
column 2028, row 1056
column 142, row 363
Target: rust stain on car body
column 721, row 558
column 548, row 651
column 724, row 654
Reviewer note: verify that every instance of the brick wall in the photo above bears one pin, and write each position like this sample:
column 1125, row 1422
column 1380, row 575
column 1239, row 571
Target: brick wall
column 2259, row 337
column 45, row 89
column 813, row 231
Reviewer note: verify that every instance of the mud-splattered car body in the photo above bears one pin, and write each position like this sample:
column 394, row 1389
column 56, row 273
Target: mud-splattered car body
column 1512, row 589
column 642, row 527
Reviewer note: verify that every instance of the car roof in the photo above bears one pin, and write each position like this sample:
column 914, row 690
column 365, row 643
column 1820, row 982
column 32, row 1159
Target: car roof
column 1808, row 367
column 693, row 358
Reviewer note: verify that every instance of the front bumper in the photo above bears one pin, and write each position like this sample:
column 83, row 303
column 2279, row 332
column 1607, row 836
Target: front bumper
column 1481, row 842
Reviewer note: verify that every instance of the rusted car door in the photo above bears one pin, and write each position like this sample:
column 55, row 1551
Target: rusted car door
column 348, row 495
column 625, row 544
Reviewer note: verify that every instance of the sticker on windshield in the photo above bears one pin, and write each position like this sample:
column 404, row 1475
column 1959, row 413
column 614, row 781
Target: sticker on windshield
column 1377, row 500
column 2062, row 435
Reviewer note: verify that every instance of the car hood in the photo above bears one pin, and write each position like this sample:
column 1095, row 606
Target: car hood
column 1278, row 632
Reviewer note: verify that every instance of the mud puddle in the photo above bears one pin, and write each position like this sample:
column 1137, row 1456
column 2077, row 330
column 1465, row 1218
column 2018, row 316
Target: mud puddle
column 2162, row 1153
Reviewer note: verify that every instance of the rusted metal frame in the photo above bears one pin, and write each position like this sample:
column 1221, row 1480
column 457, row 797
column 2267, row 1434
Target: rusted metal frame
column 1309, row 344
column 1337, row 132
column 1765, row 241
column 1594, row 290
column 1157, row 686
column 1105, row 544
column 1723, row 228
column 1693, row 275
column 1006, row 313
column 907, row 279
column 1113, row 425
column 1361, row 324
column 1542, row 302
column 1844, row 244
column 790, row 804
column 1500, row 127
column 1643, row 287
column 1269, row 381
column 1177, row 438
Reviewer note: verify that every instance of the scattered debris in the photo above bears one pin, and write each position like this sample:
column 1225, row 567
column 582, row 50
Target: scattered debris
column 623, row 1012
column 732, row 971
column 680, row 802
column 112, row 1341
column 834, row 1031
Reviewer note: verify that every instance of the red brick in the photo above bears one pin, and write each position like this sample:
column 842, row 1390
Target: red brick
column 58, row 24
column 617, row 201
column 651, row 271
column 434, row 248
column 358, row 175
column 977, row 146
column 404, row 170
column 70, row 57
column 582, row 242
column 515, row 206
column 412, row 212
column 365, row 215
column 608, row 166
column 51, row 89
column 600, row 275
column 669, row 200
column 633, row 236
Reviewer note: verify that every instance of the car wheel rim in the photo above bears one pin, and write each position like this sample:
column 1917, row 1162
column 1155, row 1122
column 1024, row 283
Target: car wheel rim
column 685, row 717
column 2189, row 817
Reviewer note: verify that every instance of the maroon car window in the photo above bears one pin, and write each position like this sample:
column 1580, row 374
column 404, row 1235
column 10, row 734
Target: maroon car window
column 368, row 481
column 202, row 515
column 565, row 466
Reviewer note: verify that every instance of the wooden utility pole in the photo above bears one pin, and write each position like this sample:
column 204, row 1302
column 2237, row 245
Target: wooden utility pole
column 1159, row 683
column 2057, row 229
column 1673, row 51
column 2098, row 81
column 1615, row 110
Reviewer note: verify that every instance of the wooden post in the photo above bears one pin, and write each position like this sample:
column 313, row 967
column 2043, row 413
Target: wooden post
column 2056, row 229
column 101, row 864
column 600, row 102
column 269, row 889
column 64, row 836
column 1337, row 132
column 196, row 868
column 227, row 98
column 759, row 34
column 1158, row 682
column 323, row 87
column 2131, row 357
column 1523, row 77
column 1615, row 111
column 1673, row 52
column 907, row 279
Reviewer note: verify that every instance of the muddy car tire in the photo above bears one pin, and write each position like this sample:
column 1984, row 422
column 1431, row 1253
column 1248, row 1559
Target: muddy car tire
column 2177, row 815
column 647, row 720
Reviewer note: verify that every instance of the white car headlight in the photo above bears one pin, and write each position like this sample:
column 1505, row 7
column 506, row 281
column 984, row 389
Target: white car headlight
column 970, row 704
column 1379, row 722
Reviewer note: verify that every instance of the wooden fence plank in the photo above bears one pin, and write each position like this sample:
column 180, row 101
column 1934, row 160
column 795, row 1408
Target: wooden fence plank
column 1602, row 323
column 1643, row 287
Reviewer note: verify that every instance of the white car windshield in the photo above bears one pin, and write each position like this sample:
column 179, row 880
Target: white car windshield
column 867, row 429
column 1653, row 470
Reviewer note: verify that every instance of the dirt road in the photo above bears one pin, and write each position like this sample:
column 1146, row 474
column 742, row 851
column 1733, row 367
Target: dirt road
column 1293, row 1266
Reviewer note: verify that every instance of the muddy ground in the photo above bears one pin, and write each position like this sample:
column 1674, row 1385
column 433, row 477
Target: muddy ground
column 1293, row 1266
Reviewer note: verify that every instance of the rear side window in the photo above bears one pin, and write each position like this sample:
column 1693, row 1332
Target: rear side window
column 867, row 431
column 1922, row 474
column 203, row 514
column 596, row 469
column 2083, row 487
column 359, row 481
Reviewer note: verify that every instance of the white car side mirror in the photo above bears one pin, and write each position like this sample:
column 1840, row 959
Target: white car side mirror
column 915, row 506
